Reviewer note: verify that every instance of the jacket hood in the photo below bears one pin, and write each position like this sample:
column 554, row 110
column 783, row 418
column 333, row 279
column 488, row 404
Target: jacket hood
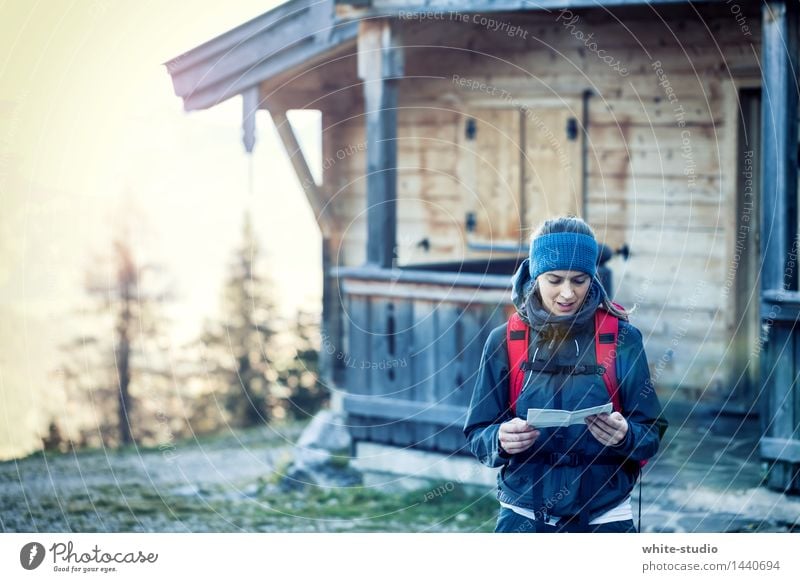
column 521, row 282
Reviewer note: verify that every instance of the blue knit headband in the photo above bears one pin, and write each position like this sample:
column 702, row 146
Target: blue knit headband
column 567, row 251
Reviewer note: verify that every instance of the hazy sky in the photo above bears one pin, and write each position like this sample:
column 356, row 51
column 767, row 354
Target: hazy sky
column 91, row 136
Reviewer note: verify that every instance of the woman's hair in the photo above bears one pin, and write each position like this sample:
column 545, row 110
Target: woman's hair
column 579, row 226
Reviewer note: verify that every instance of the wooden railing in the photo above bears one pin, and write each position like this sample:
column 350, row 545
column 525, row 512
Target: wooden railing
column 410, row 347
column 780, row 389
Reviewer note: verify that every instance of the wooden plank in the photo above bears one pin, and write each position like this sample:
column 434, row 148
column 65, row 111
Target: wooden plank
column 323, row 212
column 423, row 365
column 689, row 362
column 477, row 323
column 395, row 7
column 333, row 329
column 663, row 292
column 377, row 375
column 489, row 172
column 432, row 185
column 689, row 59
column 552, row 165
column 450, row 332
column 473, row 296
column 669, row 162
column 779, row 210
column 741, row 147
column 655, row 111
column 353, row 251
column 654, row 190
column 694, row 346
column 449, row 279
column 357, row 350
column 777, row 375
column 403, row 434
column 634, row 215
column 561, row 65
column 655, row 137
column 522, row 86
column 779, row 137
column 539, row 31
column 663, row 243
column 438, row 134
column 782, row 376
column 380, row 63
column 577, row 63
column 396, row 409
column 677, row 321
column 780, row 449
column 795, row 393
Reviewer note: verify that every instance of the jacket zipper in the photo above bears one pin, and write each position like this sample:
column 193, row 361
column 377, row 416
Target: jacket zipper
column 530, row 374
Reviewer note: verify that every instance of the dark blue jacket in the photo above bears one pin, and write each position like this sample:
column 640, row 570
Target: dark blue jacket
column 526, row 479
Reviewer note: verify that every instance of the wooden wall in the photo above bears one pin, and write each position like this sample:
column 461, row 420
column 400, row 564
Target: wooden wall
column 661, row 164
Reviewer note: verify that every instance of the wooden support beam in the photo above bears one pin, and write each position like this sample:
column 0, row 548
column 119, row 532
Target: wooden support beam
column 778, row 231
column 779, row 138
column 399, row 409
column 250, row 98
column 355, row 9
column 323, row 211
column 380, row 64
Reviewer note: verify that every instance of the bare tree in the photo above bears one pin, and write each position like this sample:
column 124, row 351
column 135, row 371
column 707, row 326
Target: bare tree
column 125, row 300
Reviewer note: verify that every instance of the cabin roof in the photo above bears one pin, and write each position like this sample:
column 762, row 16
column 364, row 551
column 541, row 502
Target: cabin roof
column 388, row 7
column 301, row 31
column 283, row 38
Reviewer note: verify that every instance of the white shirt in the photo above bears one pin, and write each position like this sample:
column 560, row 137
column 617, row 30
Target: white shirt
column 621, row 512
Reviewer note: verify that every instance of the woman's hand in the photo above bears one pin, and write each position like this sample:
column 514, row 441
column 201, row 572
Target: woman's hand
column 516, row 436
column 609, row 429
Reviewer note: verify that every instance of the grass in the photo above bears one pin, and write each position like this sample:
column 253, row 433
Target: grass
column 313, row 509
column 129, row 490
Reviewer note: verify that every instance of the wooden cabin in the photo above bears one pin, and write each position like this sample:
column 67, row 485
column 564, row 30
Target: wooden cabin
column 450, row 131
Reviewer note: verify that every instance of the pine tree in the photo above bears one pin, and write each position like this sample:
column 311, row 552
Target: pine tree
column 300, row 371
column 241, row 345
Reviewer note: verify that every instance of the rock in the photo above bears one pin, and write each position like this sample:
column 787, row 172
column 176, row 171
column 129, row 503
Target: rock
column 295, row 479
column 310, row 457
column 313, row 462
column 327, row 431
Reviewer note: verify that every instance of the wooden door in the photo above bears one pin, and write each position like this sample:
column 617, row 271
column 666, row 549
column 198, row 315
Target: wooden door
column 489, row 174
column 552, row 166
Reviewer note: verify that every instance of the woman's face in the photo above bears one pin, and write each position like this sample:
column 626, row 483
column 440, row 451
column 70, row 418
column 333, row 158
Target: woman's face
column 563, row 292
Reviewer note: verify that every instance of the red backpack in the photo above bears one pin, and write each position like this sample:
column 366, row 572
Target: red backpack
column 606, row 327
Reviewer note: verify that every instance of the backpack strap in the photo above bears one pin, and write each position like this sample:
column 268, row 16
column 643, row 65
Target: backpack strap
column 606, row 327
column 517, row 335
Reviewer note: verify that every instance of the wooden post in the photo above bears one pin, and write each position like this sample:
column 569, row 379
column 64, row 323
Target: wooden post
column 250, row 104
column 323, row 211
column 380, row 64
column 778, row 232
column 779, row 131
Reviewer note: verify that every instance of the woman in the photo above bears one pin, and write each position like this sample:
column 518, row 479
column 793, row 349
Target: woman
column 577, row 478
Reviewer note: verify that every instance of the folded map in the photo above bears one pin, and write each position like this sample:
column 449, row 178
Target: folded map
column 547, row 417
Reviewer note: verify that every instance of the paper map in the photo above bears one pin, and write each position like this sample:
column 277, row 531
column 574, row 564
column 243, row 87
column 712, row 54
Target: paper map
column 547, row 417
